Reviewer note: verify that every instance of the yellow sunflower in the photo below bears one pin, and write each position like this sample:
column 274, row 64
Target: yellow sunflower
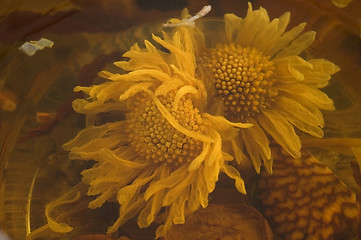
column 164, row 158
column 256, row 75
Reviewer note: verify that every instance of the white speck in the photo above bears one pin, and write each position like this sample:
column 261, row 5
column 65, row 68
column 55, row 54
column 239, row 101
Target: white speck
column 30, row 48
column 190, row 21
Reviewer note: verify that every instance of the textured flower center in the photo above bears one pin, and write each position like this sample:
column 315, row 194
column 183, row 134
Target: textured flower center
column 243, row 78
column 155, row 139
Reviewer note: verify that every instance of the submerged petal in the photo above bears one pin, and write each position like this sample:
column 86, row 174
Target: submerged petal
column 300, row 116
column 285, row 40
column 234, row 174
column 308, row 96
column 151, row 58
column 165, row 183
column 254, row 22
column 271, row 33
column 298, row 45
column 281, row 131
column 177, row 190
column 232, row 25
column 257, row 146
column 183, row 57
column 321, row 72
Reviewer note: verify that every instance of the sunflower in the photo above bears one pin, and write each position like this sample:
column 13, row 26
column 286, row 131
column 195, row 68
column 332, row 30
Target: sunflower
column 256, row 75
column 163, row 158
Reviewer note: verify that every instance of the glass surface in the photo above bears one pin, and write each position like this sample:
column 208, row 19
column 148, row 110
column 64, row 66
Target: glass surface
column 88, row 37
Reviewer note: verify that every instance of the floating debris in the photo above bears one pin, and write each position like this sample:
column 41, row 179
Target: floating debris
column 8, row 101
column 30, row 48
column 341, row 3
column 303, row 199
column 45, row 117
column 189, row 21
column 3, row 235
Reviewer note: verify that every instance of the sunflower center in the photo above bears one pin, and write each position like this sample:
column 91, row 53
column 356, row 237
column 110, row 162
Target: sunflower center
column 243, row 78
column 155, row 139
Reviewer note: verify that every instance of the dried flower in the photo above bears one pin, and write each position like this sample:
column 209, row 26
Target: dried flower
column 166, row 153
column 257, row 76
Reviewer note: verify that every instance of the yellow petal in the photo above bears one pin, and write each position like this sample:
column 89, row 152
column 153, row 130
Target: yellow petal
column 271, row 33
column 281, row 131
column 276, row 36
column 179, row 206
column 234, row 174
column 308, row 96
column 175, row 124
column 176, row 191
column 232, row 24
column 83, row 136
column 285, row 73
column 130, row 212
column 298, row 45
column 237, row 151
column 321, row 72
column 173, row 179
column 202, row 188
column 147, row 214
column 107, row 155
column 257, row 145
column 71, row 196
column 102, row 198
column 211, row 173
column 180, row 93
column 222, row 123
column 285, row 40
column 168, row 86
column 299, row 116
column 184, row 60
column 134, row 89
column 251, row 25
column 85, row 107
column 324, row 66
column 151, row 58
column 200, row 158
column 216, row 148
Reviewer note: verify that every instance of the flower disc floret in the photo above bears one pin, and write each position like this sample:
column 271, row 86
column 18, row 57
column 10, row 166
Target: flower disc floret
column 243, row 78
column 156, row 140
